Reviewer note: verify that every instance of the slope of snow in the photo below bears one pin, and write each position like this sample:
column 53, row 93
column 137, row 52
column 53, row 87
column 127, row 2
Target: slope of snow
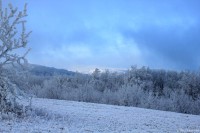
column 78, row 117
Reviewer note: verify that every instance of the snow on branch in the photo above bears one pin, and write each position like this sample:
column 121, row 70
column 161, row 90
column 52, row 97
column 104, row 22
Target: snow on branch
column 13, row 35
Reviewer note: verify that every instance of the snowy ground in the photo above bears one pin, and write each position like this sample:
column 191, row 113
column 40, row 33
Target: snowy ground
column 77, row 117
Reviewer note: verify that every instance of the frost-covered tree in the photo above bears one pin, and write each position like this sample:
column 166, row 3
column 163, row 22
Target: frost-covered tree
column 13, row 37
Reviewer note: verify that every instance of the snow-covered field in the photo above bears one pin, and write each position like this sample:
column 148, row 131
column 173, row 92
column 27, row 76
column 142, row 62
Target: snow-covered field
column 59, row 116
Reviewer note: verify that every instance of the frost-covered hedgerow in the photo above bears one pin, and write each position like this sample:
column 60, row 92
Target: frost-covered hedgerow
column 8, row 97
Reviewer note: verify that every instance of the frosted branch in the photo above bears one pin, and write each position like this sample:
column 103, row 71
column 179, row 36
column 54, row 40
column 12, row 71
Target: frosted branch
column 11, row 37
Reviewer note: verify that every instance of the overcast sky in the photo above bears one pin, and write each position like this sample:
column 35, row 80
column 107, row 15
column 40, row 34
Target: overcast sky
column 84, row 34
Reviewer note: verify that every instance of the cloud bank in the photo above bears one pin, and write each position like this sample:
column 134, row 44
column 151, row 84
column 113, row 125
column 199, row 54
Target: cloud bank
column 114, row 34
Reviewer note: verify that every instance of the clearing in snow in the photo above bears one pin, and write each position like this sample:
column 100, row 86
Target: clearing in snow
column 78, row 117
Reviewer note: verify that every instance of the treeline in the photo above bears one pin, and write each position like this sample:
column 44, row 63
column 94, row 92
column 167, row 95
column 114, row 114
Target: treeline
column 138, row 87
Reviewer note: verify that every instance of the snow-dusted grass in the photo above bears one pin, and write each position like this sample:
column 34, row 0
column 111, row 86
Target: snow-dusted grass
column 78, row 117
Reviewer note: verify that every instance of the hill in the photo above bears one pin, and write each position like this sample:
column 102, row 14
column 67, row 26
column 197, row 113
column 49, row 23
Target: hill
column 48, row 71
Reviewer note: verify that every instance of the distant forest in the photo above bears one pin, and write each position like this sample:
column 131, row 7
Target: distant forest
column 139, row 87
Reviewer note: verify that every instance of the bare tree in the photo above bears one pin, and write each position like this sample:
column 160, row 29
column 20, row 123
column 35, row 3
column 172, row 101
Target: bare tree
column 13, row 37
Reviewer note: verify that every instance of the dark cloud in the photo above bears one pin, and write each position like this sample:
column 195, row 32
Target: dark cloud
column 173, row 44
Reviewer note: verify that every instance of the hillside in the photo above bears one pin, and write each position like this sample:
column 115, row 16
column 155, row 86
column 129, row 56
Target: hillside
column 48, row 71
column 79, row 117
